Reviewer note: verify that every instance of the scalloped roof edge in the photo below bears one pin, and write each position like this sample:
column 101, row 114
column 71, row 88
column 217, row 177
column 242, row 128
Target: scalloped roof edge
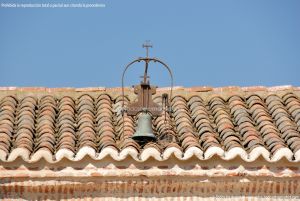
column 150, row 152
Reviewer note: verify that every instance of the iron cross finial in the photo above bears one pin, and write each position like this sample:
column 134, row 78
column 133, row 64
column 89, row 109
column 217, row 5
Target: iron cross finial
column 147, row 45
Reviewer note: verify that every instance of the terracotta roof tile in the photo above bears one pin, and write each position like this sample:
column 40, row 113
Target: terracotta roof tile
column 229, row 122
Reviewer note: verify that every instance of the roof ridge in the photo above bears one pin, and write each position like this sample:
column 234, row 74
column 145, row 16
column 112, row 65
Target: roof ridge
column 160, row 89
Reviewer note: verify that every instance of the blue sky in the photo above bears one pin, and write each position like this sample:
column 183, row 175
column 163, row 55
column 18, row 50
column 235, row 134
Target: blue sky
column 211, row 43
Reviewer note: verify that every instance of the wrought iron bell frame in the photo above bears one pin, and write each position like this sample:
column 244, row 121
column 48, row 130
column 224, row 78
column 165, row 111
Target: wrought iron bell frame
column 145, row 83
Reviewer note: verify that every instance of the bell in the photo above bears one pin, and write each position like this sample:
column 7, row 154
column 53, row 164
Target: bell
column 144, row 132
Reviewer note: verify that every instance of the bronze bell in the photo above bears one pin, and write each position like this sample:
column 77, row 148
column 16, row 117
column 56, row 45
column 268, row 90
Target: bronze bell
column 144, row 132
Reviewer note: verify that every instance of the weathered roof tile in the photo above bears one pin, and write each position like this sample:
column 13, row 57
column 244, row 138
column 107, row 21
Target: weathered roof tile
column 54, row 124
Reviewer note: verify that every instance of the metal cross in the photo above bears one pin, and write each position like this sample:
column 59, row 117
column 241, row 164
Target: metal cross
column 146, row 45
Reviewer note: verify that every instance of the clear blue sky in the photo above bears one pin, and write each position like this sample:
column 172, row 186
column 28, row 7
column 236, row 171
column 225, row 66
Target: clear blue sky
column 215, row 43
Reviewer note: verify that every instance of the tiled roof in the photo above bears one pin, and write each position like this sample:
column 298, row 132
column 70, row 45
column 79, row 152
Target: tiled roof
column 230, row 122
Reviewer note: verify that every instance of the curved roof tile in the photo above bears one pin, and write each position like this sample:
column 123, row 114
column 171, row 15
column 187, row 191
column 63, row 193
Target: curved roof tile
column 227, row 123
